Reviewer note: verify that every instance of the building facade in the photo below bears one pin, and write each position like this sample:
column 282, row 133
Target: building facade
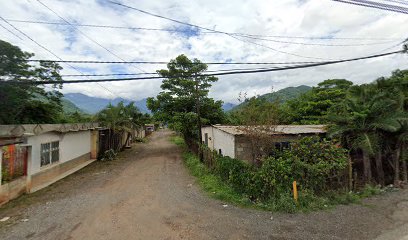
column 234, row 141
column 34, row 156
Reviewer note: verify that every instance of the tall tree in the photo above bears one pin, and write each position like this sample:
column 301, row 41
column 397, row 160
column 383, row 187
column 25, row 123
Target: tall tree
column 24, row 102
column 183, row 102
column 313, row 106
column 366, row 116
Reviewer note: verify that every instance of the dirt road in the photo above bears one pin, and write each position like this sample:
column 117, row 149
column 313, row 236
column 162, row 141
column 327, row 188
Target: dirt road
column 148, row 194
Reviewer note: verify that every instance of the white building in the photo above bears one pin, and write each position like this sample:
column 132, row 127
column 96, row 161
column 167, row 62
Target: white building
column 34, row 156
column 232, row 141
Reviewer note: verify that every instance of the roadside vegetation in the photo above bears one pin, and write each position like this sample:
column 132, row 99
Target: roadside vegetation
column 269, row 188
column 366, row 149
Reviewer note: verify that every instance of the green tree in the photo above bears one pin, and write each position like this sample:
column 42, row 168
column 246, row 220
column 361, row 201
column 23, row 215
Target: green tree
column 366, row 116
column 313, row 106
column 121, row 119
column 184, row 103
column 24, row 102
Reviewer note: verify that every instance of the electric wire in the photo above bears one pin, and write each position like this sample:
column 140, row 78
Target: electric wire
column 216, row 74
column 208, row 29
column 85, row 35
column 161, row 62
column 382, row 6
column 250, row 36
column 205, row 32
column 8, row 30
column 49, row 51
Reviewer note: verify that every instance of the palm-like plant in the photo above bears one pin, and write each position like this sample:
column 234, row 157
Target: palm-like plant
column 120, row 119
column 366, row 115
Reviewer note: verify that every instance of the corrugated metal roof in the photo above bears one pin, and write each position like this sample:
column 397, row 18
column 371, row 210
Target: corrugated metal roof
column 20, row 130
column 274, row 130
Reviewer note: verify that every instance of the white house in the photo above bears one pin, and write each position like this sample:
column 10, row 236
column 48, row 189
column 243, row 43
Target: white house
column 34, row 156
column 233, row 141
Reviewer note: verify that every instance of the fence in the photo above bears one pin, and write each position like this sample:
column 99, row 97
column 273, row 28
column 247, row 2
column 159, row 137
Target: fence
column 14, row 162
column 209, row 156
column 110, row 140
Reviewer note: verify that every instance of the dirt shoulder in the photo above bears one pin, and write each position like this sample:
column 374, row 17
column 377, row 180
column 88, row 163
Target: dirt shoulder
column 148, row 194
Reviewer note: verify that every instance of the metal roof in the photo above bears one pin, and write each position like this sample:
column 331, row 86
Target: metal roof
column 20, row 130
column 274, row 130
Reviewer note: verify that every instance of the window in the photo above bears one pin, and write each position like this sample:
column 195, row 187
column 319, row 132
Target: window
column 220, row 151
column 206, row 139
column 49, row 153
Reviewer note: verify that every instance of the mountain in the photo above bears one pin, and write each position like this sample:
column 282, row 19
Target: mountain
column 69, row 107
column 93, row 105
column 286, row 94
column 282, row 95
column 228, row 106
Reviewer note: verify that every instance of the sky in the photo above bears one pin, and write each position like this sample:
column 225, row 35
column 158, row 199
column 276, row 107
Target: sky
column 364, row 31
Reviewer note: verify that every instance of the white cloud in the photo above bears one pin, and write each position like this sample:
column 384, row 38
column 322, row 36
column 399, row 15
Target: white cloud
column 290, row 18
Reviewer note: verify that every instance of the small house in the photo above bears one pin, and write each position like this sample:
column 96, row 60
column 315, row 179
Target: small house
column 235, row 142
column 34, row 156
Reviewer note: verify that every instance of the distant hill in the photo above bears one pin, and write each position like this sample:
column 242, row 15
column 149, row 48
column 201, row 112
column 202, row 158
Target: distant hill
column 282, row 95
column 228, row 106
column 69, row 107
column 286, row 94
column 93, row 105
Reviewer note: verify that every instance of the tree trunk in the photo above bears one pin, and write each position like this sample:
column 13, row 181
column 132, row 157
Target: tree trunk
column 379, row 167
column 397, row 166
column 367, row 167
column 350, row 173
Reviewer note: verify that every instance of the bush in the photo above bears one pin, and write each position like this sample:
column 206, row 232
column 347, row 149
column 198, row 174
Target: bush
column 312, row 162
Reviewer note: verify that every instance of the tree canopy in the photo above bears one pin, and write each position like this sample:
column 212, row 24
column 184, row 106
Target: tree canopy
column 27, row 103
column 184, row 91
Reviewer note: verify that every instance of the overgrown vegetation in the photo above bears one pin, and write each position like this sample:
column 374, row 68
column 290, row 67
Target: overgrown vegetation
column 269, row 187
column 184, row 103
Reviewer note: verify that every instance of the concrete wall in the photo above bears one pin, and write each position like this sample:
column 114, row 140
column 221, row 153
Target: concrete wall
column 13, row 189
column 244, row 149
column 71, row 146
column 218, row 139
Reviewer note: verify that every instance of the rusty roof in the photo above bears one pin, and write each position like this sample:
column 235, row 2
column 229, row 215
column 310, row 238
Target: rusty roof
column 274, row 130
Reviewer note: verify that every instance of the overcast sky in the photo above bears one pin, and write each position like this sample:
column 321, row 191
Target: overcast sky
column 378, row 31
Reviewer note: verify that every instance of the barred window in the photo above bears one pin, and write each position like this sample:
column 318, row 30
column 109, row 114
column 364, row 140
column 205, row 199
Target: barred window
column 49, row 153
column 54, row 152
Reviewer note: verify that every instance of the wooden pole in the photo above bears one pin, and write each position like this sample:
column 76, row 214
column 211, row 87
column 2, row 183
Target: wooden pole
column 295, row 193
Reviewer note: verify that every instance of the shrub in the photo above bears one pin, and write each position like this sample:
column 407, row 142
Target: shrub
column 312, row 162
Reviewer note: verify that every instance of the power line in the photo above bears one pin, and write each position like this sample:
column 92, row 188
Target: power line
column 8, row 30
column 49, row 51
column 318, row 44
column 203, row 32
column 220, row 73
column 153, row 73
column 208, row 29
column 376, row 5
column 397, row 1
column 162, row 62
column 250, row 36
column 85, row 35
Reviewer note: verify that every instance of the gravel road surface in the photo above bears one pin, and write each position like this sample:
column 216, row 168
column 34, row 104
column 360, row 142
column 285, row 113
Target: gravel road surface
column 148, row 194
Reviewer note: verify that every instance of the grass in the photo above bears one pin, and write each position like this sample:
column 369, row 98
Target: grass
column 215, row 187
column 178, row 140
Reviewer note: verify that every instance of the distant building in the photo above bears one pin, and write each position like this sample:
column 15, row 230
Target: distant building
column 233, row 141
column 149, row 129
column 34, row 156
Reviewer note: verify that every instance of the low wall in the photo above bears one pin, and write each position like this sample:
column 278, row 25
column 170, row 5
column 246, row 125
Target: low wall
column 13, row 189
column 56, row 172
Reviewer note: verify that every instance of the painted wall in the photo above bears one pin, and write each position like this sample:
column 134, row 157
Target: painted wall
column 218, row 139
column 71, row 145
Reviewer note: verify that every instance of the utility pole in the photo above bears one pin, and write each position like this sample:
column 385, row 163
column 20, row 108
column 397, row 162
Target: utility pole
column 200, row 137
